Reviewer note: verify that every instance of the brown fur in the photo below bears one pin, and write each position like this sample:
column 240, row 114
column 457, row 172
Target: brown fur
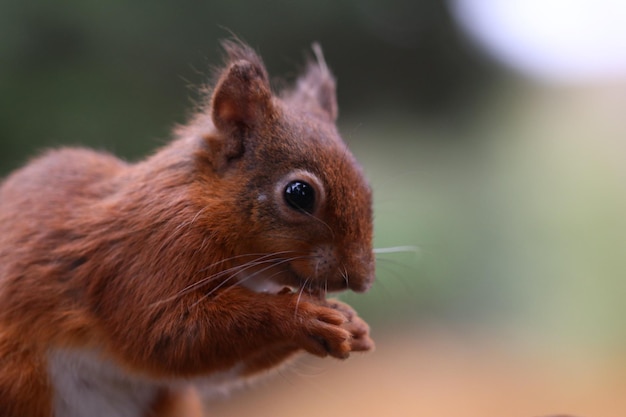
column 141, row 262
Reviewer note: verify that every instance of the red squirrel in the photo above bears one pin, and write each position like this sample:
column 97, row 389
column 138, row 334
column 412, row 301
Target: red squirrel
column 205, row 264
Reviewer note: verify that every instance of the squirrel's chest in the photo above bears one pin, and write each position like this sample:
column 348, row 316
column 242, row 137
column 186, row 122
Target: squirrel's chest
column 86, row 385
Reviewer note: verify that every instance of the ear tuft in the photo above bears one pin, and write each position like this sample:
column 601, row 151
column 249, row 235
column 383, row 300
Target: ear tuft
column 241, row 101
column 242, row 97
column 315, row 89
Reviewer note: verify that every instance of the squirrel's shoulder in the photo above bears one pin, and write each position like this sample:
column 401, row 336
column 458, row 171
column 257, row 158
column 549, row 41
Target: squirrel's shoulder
column 58, row 174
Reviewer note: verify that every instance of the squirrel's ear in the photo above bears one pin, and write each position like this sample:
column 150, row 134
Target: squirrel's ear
column 242, row 97
column 316, row 87
column 242, row 100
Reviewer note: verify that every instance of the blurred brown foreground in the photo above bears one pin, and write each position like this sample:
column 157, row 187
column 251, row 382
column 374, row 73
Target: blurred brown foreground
column 437, row 375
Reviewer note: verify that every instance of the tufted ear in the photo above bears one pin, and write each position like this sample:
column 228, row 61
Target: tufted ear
column 242, row 97
column 241, row 101
column 315, row 89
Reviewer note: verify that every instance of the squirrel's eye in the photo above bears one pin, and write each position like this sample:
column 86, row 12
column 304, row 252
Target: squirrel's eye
column 300, row 195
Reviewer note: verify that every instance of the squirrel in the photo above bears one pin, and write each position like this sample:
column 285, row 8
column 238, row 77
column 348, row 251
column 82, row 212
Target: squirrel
column 205, row 264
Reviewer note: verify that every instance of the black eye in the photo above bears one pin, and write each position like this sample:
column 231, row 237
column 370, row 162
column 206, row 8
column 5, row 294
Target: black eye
column 300, row 195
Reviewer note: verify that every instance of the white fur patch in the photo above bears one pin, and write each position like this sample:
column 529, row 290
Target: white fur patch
column 85, row 384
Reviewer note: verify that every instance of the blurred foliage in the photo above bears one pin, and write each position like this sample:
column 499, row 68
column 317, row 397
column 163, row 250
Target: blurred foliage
column 118, row 75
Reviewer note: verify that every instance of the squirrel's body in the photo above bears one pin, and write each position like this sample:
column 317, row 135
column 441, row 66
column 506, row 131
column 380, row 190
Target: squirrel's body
column 206, row 263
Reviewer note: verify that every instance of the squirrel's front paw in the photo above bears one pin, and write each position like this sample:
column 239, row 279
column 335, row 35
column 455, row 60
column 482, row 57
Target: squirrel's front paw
column 332, row 329
column 358, row 328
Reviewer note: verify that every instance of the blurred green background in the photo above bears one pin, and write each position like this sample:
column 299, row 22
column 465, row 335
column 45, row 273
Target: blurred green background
column 512, row 190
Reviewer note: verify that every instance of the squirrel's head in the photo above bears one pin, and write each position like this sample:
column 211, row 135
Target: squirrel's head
column 290, row 203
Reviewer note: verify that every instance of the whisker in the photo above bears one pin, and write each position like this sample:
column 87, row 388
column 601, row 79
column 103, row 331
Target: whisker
column 295, row 312
column 238, row 268
column 190, row 222
column 266, row 258
column 260, row 255
column 379, row 284
column 397, row 276
column 269, row 277
column 243, row 268
column 221, row 284
column 397, row 249
column 344, row 275
column 389, row 262
column 206, row 280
